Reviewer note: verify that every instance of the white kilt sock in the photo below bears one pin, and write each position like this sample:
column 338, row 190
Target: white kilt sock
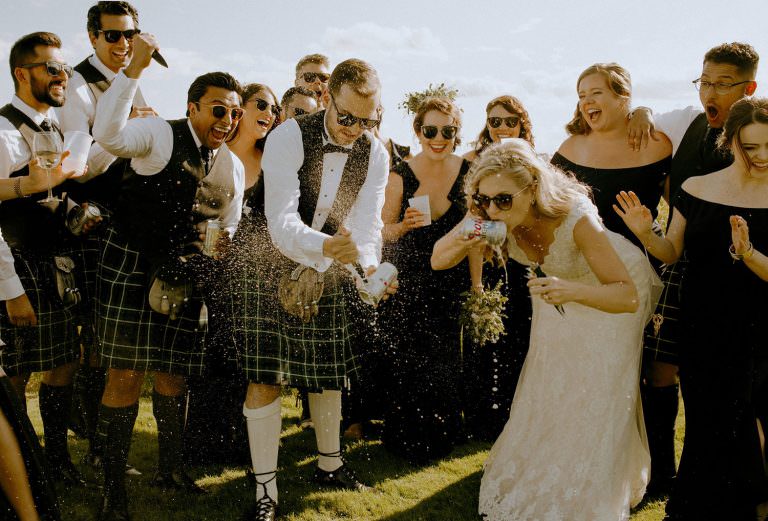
column 325, row 410
column 264, row 442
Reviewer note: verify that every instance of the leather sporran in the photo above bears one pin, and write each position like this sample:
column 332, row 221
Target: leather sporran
column 300, row 290
column 64, row 279
column 168, row 299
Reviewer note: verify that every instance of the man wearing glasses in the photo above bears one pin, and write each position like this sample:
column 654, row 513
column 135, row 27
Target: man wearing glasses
column 182, row 178
column 325, row 176
column 728, row 74
column 35, row 324
column 111, row 28
column 313, row 72
column 298, row 101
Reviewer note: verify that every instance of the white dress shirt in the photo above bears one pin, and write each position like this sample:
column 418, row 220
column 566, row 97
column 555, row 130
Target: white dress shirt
column 79, row 113
column 14, row 155
column 149, row 143
column 282, row 159
column 675, row 123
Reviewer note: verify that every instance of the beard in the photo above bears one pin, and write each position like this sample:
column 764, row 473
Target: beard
column 42, row 93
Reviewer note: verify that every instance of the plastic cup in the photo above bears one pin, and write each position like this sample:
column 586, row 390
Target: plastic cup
column 78, row 144
column 421, row 203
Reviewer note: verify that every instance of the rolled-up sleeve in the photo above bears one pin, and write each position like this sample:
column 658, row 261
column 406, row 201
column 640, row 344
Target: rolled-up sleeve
column 10, row 285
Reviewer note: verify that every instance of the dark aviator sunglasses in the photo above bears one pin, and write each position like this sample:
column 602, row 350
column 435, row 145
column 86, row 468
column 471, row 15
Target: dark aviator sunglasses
column 113, row 35
column 430, row 131
column 310, row 77
column 348, row 120
column 502, row 201
column 52, row 68
column 510, row 121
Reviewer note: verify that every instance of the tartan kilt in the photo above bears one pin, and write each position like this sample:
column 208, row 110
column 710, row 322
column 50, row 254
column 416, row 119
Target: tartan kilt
column 665, row 346
column 129, row 334
column 279, row 349
column 54, row 341
column 86, row 252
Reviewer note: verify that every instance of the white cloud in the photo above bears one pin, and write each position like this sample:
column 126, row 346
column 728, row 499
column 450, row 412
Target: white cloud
column 528, row 25
column 377, row 41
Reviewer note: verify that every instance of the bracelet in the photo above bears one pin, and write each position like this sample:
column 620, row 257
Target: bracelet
column 741, row 256
column 17, row 188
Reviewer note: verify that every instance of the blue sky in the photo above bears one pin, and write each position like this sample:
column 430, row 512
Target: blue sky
column 534, row 50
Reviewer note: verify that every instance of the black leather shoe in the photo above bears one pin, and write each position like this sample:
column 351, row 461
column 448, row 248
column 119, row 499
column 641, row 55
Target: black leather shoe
column 177, row 480
column 63, row 471
column 265, row 510
column 114, row 507
column 342, row 478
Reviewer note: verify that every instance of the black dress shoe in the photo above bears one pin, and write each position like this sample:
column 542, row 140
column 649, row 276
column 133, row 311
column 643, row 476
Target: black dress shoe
column 342, row 478
column 265, row 510
column 114, row 507
column 177, row 480
column 63, row 471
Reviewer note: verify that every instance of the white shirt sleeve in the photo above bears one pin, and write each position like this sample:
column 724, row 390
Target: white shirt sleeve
column 10, row 285
column 364, row 219
column 148, row 141
column 231, row 216
column 282, row 159
column 675, row 123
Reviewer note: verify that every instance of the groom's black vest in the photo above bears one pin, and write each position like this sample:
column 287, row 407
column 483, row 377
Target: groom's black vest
column 696, row 155
column 311, row 173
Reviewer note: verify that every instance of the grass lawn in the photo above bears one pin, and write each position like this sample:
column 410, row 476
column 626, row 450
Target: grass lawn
column 446, row 491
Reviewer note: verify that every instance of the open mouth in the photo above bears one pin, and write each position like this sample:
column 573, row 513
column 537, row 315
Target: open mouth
column 264, row 123
column 712, row 112
column 57, row 88
column 219, row 134
column 120, row 55
column 593, row 115
column 437, row 149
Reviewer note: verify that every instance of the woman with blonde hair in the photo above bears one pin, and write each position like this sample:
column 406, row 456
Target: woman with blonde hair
column 573, row 447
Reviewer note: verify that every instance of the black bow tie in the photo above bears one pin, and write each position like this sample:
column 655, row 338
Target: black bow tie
column 46, row 125
column 206, row 154
column 330, row 148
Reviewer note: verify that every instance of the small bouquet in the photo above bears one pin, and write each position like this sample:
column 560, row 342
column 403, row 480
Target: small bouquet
column 482, row 313
column 413, row 100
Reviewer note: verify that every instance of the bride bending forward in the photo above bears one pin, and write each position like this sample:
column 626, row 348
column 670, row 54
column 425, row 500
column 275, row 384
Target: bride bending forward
column 574, row 447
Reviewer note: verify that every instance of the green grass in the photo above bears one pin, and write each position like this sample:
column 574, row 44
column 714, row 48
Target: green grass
column 445, row 491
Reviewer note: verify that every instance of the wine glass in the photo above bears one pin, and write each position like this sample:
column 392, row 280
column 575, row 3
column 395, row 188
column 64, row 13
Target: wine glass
column 47, row 148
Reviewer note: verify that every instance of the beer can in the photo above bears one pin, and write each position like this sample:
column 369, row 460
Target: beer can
column 78, row 216
column 494, row 232
column 212, row 233
column 374, row 287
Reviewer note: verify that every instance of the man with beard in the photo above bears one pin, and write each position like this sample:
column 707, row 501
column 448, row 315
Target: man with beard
column 728, row 74
column 313, row 72
column 152, row 276
column 325, row 176
column 111, row 27
column 37, row 325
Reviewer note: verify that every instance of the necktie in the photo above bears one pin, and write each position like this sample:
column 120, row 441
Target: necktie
column 330, row 148
column 206, row 154
column 46, row 125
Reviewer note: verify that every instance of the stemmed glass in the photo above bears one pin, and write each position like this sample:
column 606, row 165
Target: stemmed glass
column 47, row 148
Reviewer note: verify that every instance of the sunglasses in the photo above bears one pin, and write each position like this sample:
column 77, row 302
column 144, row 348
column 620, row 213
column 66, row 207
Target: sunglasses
column 310, row 77
column 348, row 120
column 53, row 68
column 263, row 105
column 448, row 131
column 502, row 201
column 510, row 121
column 299, row 112
column 219, row 111
column 113, row 35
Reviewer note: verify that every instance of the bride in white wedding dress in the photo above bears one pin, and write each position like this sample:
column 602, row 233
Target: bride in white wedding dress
column 574, row 447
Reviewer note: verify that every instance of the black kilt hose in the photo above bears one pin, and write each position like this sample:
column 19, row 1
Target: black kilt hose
column 53, row 342
column 129, row 333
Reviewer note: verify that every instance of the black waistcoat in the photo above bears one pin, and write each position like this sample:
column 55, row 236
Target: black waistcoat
column 311, row 173
column 104, row 188
column 696, row 155
column 27, row 225
column 159, row 214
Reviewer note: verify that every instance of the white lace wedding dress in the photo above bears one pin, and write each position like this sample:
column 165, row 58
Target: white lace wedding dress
column 574, row 448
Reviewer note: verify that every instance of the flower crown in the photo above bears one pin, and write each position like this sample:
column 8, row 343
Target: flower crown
column 414, row 100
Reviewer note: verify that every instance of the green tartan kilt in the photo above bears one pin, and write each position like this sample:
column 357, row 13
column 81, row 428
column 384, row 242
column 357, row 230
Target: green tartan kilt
column 664, row 345
column 129, row 334
column 276, row 348
column 54, row 341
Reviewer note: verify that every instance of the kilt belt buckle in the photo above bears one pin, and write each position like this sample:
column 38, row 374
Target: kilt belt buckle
column 64, row 276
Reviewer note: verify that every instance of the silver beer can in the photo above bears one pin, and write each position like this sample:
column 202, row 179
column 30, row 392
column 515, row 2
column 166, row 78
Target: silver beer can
column 375, row 286
column 494, row 232
column 78, row 216
column 212, row 234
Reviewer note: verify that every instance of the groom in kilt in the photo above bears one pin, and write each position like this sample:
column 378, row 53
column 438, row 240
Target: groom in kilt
column 153, row 277
column 325, row 177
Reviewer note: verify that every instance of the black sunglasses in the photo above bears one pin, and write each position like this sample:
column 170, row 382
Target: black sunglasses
column 299, row 112
column 448, row 131
column 219, row 111
column 510, row 121
column 52, row 68
column 263, row 104
column 502, row 201
column 113, row 35
column 310, row 77
column 348, row 120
